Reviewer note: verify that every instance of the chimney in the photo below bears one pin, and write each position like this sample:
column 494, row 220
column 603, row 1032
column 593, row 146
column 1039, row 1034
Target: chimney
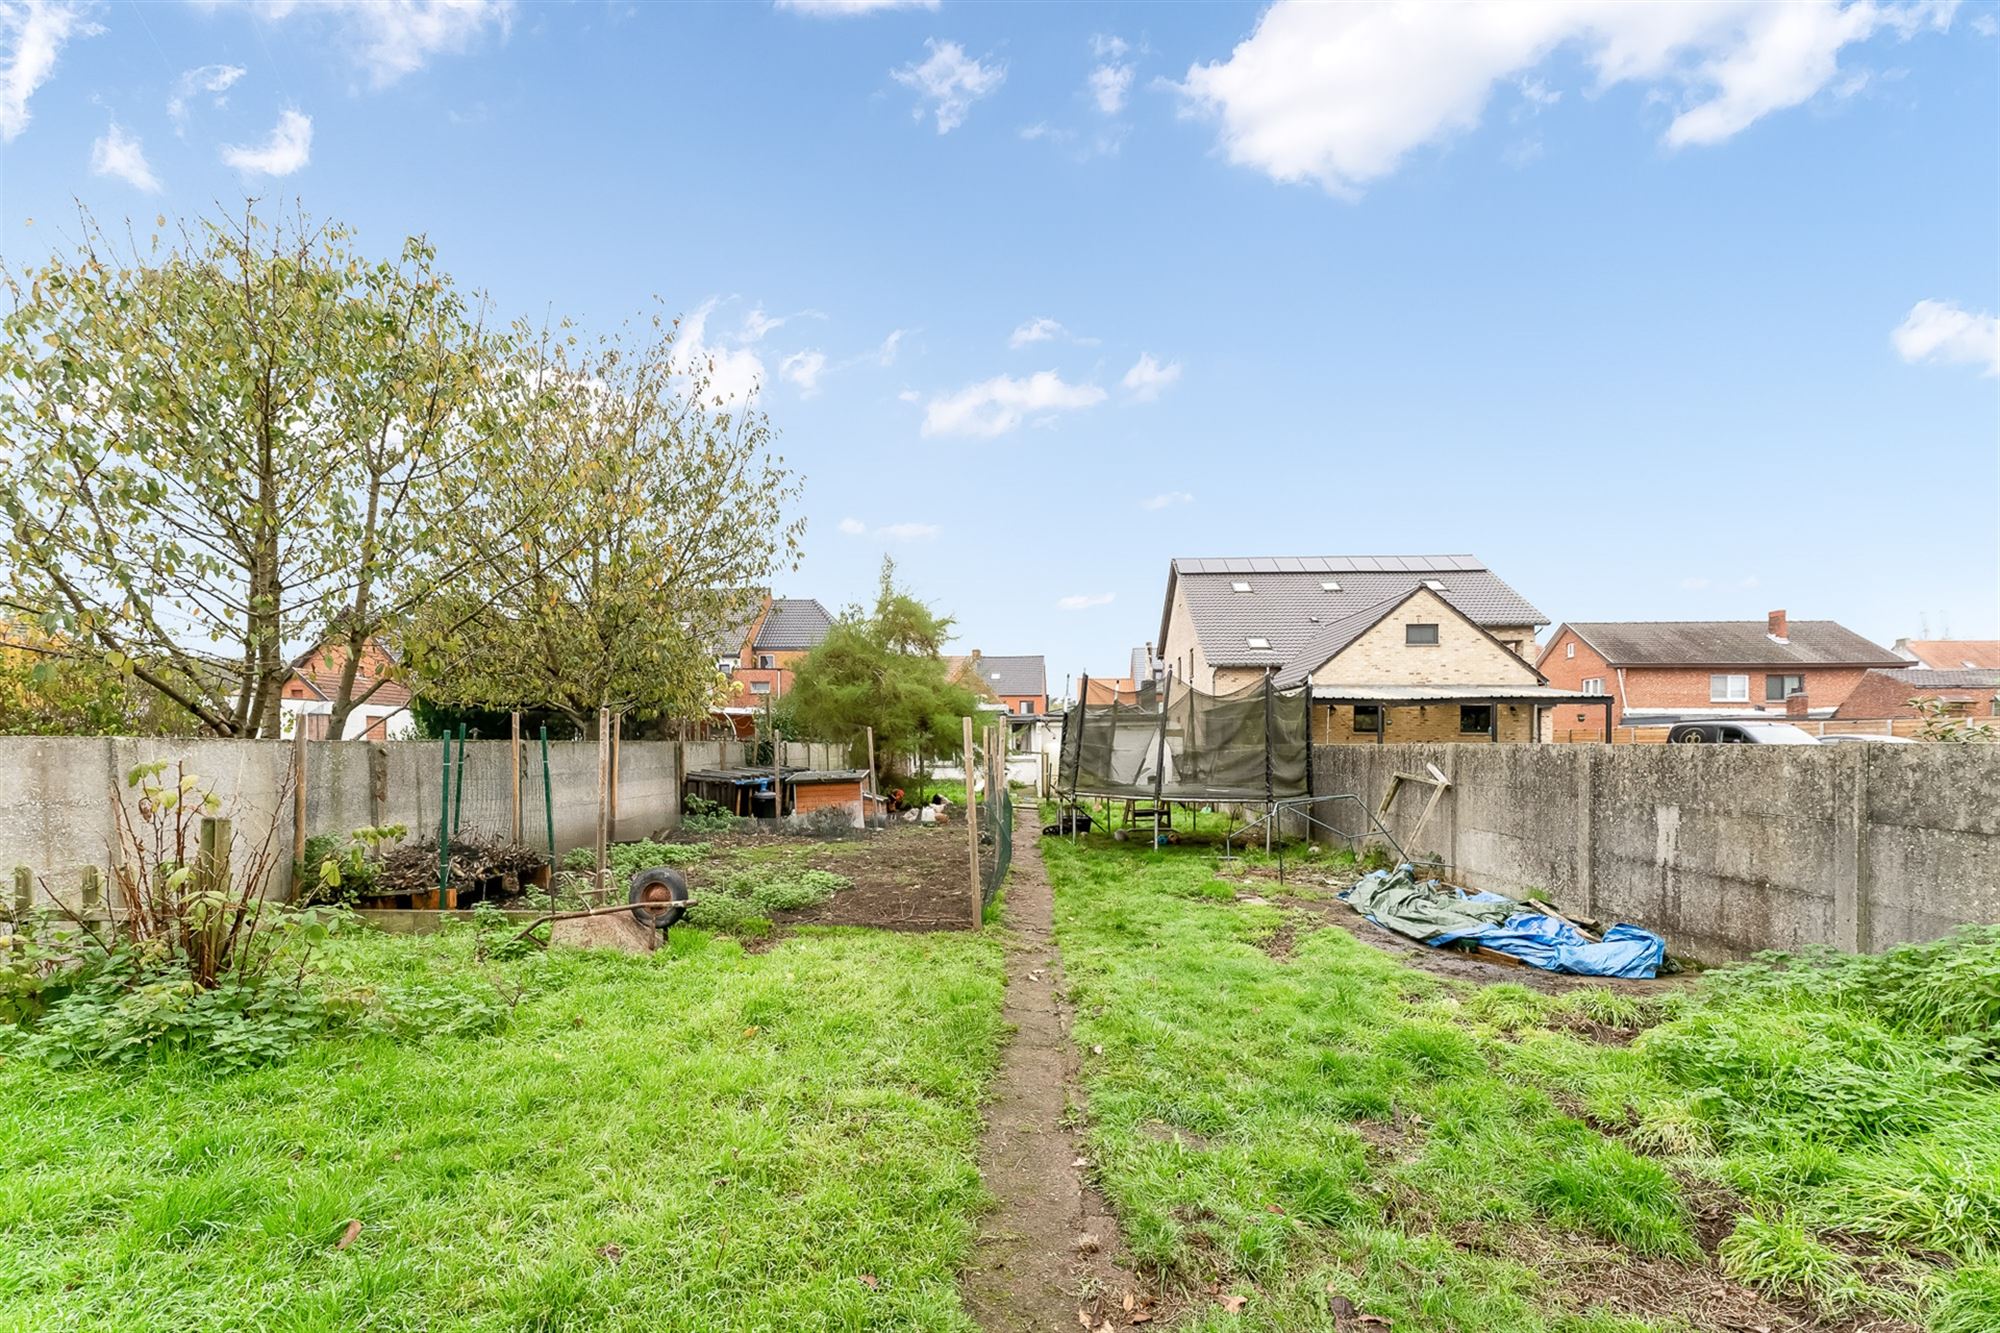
column 1795, row 705
column 1775, row 626
column 975, row 654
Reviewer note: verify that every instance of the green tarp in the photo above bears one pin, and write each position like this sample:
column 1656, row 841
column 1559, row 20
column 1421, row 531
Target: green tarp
column 1421, row 909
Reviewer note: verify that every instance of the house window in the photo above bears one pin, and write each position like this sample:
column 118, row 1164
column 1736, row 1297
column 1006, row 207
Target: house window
column 766, row 661
column 760, row 687
column 1729, row 689
column 1779, row 688
column 1569, row 649
column 1420, row 634
column 1593, row 685
column 1239, row 586
column 1368, row 717
column 1258, row 643
column 1328, row 585
column 727, row 663
column 1475, row 717
column 1027, row 707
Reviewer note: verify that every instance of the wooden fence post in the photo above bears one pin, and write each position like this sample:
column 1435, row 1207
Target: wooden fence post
column 299, row 799
column 24, row 891
column 872, row 789
column 514, row 767
column 777, row 774
column 972, row 831
column 93, row 888
column 617, row 733
column 211, row 862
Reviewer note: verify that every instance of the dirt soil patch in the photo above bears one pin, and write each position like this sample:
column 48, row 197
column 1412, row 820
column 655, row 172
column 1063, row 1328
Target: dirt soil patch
column 1046, row 1257
column 904, row 877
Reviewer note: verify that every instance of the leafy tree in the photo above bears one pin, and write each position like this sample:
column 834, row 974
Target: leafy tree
column 48, row 689
column 1938, row 722
column 644, row 510
column 884, row 670
column 236, row 445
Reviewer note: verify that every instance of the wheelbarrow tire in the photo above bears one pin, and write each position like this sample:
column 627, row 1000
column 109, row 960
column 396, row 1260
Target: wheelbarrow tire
column 655, row 894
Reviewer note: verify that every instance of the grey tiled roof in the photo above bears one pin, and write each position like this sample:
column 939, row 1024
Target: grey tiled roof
column 795, row 624
column 1287, row 605
column 1975, row 678
column 1014, row 675
column 1335, row 636
column 1729, row 643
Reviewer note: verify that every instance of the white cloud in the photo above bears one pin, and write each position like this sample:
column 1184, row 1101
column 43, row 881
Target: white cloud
column 1166, row 499
column 885, row 355
column 729, row 374
column 803, row 369
column 910, row 396
column 32, row 34
column 891, row 532
column 1083, row 601
column 1943, row 333
column 1339, row 94
column 1108, row 46
column 950, row 82
column 392, row 38
column 996, row 406
column 288, row 148
column 1042, row 329
column 849, row 8
column 119, row 154
column 213, row 79
column 1148, row 378
column 1109, row 86
column 1985, row 25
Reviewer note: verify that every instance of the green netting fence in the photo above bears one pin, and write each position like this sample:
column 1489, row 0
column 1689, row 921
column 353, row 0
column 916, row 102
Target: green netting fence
column 996, row 831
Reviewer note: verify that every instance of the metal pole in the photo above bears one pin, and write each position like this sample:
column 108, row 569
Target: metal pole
column 458, row 784
column 444, row 822
column 603, row 790
column 777, row 774
column 1160, row 754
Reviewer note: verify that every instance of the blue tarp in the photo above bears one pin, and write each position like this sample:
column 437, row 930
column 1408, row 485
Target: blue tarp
column 1439, row 914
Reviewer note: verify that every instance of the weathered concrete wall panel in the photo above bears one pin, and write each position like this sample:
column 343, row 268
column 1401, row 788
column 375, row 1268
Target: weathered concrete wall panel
column 1725, row 850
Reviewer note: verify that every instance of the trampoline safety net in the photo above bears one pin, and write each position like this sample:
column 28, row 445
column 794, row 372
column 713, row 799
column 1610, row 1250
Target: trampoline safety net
column 1253, row 744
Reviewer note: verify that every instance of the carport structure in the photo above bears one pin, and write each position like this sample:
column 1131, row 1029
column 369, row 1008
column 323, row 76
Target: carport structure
column 1381, row 704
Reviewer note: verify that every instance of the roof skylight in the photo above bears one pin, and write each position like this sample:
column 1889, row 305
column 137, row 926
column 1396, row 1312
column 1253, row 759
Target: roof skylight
column 1433, row 585
column 1258, row 643
column 1328, row 585
column 1239, row 586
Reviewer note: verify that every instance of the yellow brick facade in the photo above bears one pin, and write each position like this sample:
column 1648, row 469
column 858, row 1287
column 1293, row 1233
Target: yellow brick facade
column 1333, row 724
column 1463, row 655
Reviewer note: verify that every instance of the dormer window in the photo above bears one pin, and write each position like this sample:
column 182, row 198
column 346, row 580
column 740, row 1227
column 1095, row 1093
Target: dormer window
column 1328, row 585
column 1258, row 643
column 1239, row 586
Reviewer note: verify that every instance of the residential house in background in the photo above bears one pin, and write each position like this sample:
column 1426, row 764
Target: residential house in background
column 760, row 654
column 1950, row 654
column 308, row 695
column 1393, row 648
column 1018, row 684
column 1660, row 671
column 1887, row 694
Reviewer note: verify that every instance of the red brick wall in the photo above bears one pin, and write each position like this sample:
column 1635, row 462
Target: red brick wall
column 1568, row 673
column 1881, row 694
column 1687, row 687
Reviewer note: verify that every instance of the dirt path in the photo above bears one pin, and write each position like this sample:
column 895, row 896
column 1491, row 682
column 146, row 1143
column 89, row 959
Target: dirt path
column 1045, row 1254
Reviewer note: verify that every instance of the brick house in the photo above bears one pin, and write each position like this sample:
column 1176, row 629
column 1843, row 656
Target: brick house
column 1887, row 694
column 1393, row 648
column 308, row 695
column 759, row 656
column 1018, row 684
column 1659, row 671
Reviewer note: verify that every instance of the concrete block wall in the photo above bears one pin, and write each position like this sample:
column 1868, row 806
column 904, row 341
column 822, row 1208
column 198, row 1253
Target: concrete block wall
column 57, row 817
column 1726, row 850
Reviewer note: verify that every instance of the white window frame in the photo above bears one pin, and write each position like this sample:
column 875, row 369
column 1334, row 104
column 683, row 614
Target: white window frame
column 1329, row 585
column 1729, row 688
column 760, row 687
column 1569, row 649
column 1261, row 644
column 1593, row 685
column 1239, row 585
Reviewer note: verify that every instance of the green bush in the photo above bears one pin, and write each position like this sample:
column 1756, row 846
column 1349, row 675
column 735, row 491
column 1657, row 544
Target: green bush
column 743, row 901
column 699, row 815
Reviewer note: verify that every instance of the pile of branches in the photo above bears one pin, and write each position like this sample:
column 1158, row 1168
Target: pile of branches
column 413, row 868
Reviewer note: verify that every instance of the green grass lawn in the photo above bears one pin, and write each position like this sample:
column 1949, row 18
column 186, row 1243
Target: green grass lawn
column 1332, row 1124
column 700, row 1139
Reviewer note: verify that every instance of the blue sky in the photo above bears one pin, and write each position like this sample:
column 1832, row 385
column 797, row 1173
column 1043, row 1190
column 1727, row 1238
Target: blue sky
column 1675, row 312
